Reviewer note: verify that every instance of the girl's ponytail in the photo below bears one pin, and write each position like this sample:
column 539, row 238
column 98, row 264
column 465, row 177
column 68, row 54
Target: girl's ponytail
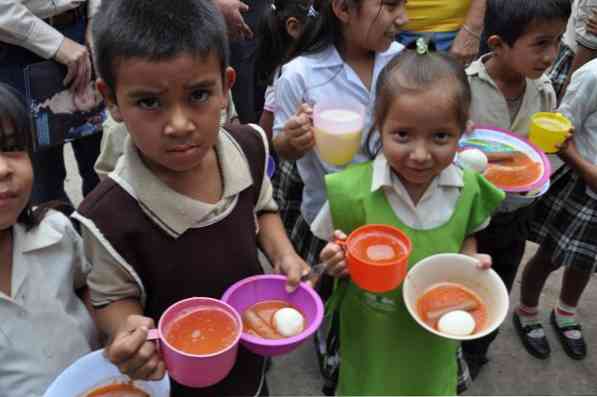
column 273, row 41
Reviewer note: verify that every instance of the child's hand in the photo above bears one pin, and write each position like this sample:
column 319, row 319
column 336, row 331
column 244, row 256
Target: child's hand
column 334, row 257
column 568, row 149
column 591, row 23
column 294, row 267
column 299, row 131
column 484, row 261
column 133, row 354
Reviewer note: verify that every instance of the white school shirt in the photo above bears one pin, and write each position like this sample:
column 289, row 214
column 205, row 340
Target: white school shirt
column 580, row 106
column 319, row 77
column 434, row 209
column 44, row 325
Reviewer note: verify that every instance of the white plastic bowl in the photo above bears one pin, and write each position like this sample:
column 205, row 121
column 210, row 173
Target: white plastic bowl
column 94, row 370
column 463, row 270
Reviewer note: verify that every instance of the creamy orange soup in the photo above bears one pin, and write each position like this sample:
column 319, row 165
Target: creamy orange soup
column 446, row 297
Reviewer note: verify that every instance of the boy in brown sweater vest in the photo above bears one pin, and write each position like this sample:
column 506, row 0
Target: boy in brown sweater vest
column 188, row 203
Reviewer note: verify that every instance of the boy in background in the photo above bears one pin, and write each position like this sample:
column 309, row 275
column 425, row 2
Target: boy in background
column 508, row 86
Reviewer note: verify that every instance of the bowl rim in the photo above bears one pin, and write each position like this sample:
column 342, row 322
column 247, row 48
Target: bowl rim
column 204, row 300
column 307, row 332
column 464, row 258
column 400, row 234
column 524, row 141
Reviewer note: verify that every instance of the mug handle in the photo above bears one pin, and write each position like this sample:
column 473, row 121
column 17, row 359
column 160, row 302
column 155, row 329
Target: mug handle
column 153, row 334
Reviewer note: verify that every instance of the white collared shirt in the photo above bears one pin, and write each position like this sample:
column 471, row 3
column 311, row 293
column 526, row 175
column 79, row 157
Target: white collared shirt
column 580, row 106
column 434, row 209
column 21, row 23
column 315, row 78
column 44, row 325
column 112, row 278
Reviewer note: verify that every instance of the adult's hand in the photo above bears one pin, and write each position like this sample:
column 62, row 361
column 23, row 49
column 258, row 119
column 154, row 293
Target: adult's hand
column 465, row 46
column 232, row 9
column 76, row 58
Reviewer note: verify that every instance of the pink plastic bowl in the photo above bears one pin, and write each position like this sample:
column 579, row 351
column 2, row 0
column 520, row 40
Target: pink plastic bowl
column 190, row 369
column 251, row 290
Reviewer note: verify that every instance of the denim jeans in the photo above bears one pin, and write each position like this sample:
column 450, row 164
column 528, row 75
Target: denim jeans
column 48, row 165
column 442, row 40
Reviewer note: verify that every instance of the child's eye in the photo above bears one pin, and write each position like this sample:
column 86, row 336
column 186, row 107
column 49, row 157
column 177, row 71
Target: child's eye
column 148, row 103
column 441, row 137
column 199, row 96
column 400, row 136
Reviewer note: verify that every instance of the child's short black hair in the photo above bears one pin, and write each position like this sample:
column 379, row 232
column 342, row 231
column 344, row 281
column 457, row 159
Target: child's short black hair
column 510, row 19
column 156, row 31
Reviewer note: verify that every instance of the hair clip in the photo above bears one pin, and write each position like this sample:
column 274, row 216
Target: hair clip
column 312, row 12
column 422, row 47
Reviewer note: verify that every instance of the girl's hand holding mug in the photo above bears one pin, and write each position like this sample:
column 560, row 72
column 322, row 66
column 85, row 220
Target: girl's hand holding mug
column 298, row 131
column 133, row 354
column 568, row 149
column 334, row 257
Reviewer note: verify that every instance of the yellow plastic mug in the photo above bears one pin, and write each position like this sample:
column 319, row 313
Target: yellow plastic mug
column 548, row 130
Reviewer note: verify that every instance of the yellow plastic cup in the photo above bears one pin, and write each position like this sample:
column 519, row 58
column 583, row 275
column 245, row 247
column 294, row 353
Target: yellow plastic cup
column 548, row 130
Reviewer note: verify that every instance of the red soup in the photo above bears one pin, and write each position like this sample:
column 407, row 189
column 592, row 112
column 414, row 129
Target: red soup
column 117, row 390
column 446, row 297
column 258, row 319
column 202, row 331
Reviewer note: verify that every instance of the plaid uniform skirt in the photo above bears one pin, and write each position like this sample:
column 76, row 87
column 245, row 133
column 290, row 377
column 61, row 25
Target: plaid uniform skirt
column 558, row 72
column 288, row 192
column 565, row 223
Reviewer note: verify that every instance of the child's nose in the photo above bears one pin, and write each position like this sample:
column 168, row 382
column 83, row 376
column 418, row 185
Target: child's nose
column 401, row 17
column 420, row 153
column 179, row 122
column 5, row 167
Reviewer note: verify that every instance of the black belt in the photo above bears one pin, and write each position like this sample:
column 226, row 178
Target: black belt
column 68, row 17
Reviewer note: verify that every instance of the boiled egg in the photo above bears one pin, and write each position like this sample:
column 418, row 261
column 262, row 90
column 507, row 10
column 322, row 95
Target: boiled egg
column 473, row 159
column 457, row 323
column 288, row 322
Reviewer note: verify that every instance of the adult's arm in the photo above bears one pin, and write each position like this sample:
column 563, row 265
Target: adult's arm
column 467, row 41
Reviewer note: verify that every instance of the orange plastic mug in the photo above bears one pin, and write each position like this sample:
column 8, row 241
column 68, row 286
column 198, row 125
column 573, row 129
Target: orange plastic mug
column 377, row 257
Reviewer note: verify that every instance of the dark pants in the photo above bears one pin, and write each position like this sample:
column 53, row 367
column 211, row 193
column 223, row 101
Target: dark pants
column 48, row 165
column 247, row 94
column 504, row 239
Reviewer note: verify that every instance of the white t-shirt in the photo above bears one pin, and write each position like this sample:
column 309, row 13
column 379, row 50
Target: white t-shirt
column 318, row 78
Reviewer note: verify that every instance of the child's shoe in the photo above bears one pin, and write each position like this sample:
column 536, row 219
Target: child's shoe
column 533, row 338
column 571, row 338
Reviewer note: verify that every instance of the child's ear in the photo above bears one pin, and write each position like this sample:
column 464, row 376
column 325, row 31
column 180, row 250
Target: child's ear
column 227, row 84
column 294, row 27
column 341, row 10
column 110, row 99
column 470, row 127
column 495, row 42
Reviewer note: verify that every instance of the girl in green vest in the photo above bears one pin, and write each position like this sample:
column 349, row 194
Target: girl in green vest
column 421, row 110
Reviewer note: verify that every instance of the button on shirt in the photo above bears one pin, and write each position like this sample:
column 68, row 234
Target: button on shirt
column 580, row 106
column 45, row 326
column 21, row 23
column 322, row 77
column 112, row 278
column 576, row 30
column 434, row 209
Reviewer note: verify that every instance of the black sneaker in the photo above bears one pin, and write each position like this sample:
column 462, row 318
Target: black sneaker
column 575, row 348
column 533, row 338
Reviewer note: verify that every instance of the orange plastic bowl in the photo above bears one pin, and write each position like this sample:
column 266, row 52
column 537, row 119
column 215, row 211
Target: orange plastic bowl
column 377, row 257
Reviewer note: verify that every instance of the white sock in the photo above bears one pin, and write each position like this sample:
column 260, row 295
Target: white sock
column 566, row 316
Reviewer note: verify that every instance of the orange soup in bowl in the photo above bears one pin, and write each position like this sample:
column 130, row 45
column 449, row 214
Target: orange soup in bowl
column 258, row 319
column 202, row 331
column 117, row 390
column 444, row 298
